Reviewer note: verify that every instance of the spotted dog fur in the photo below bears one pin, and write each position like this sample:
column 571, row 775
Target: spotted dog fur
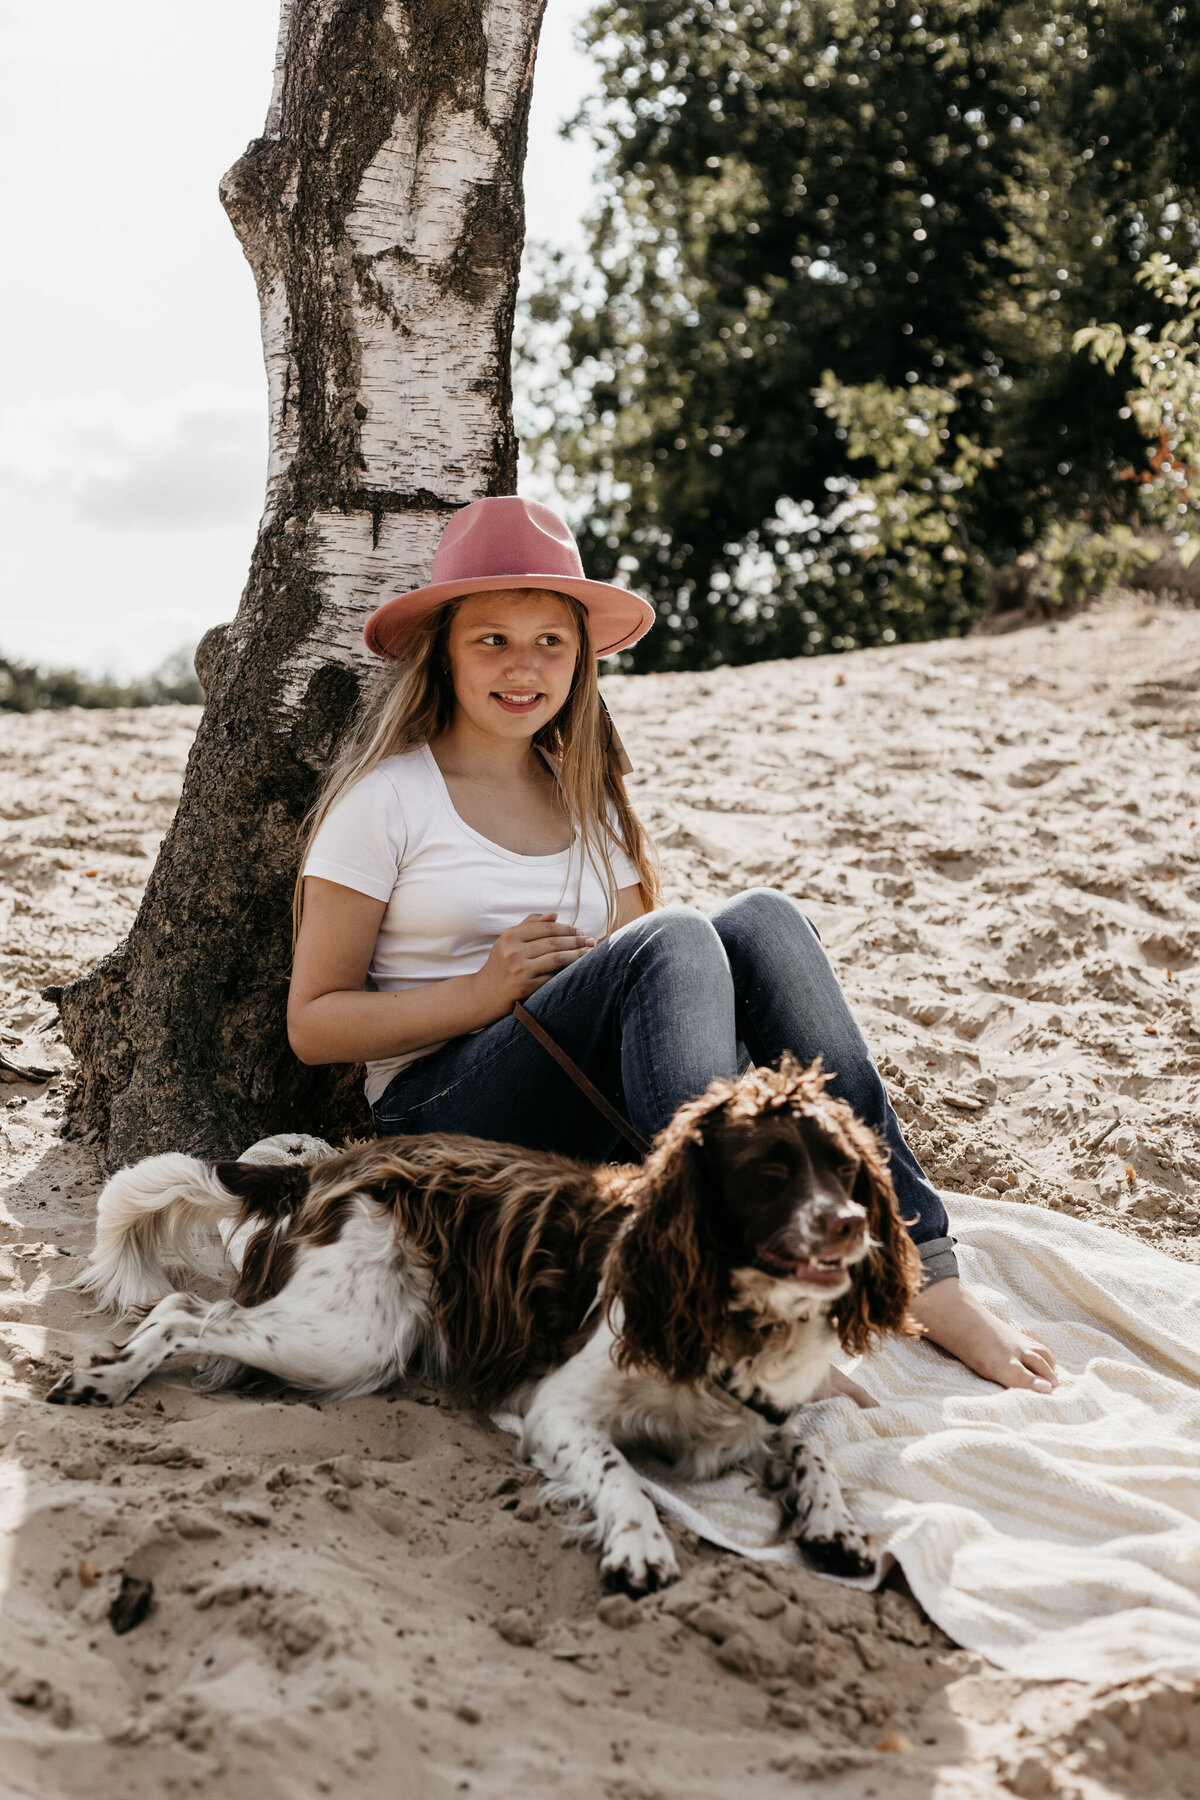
column 688, row 1304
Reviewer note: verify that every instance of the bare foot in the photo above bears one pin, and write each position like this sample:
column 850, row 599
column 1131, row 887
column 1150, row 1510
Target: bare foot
column 838, row 1386
column 960, row 1323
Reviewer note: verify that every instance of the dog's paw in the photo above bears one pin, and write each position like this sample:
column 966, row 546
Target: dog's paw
column 638, row 1560
column 845, row 1553
column 76, row 1389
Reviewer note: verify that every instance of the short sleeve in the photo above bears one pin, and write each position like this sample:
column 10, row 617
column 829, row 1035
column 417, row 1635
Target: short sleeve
column 622, row 867
column 362, row 840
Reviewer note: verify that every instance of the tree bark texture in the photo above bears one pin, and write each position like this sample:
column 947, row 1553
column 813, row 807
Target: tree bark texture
column 381, row 212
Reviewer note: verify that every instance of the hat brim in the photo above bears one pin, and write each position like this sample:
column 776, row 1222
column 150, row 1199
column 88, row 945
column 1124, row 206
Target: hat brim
column 616, row 618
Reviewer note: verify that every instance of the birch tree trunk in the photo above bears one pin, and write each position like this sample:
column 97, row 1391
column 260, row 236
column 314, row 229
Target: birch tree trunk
column 382, row 215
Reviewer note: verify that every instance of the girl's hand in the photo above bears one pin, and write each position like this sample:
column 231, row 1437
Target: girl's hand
column 524, row 957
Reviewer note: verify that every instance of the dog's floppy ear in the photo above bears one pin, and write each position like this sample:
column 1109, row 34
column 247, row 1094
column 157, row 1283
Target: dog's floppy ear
column 666, row 1273
column 888, row 1278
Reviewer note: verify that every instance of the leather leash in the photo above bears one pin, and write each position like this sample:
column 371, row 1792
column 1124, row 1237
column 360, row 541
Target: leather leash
column 757, row 1403
column 586, row 1087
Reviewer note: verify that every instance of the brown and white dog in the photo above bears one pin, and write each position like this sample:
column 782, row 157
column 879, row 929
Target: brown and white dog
column 688, row 1304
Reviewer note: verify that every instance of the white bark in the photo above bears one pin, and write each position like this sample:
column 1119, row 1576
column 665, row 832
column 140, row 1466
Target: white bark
column 425, row 337
column 381, row 213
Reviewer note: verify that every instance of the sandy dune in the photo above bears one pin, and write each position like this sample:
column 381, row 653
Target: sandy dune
column 997, row 839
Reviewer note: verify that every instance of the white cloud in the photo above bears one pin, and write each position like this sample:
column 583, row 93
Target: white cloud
column 195, row 457
column 127, row 523
column 113, row 597
column 558, row 174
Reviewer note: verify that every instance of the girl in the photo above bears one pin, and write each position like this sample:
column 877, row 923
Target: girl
column 474, row 846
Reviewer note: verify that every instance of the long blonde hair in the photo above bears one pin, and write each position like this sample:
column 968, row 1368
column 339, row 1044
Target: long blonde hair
column 410, row 702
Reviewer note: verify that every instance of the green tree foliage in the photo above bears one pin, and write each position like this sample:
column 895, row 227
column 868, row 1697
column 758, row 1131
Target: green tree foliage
column 902, row 526
column 1166, row 400
column 25, row 688
column 823, row 213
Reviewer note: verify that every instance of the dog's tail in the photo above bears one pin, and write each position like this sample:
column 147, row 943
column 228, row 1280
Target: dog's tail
column 145, row 1219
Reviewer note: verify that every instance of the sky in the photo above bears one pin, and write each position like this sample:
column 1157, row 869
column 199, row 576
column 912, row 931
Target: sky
column 132, row 399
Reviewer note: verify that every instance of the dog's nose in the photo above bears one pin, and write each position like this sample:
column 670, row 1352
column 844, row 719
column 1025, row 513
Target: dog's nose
column 843, row 1227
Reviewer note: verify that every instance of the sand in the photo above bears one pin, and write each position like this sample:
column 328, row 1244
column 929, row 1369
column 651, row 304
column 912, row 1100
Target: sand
column 997, row 840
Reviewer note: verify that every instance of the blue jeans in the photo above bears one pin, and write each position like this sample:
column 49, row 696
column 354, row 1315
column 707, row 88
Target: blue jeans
column 652, row 1014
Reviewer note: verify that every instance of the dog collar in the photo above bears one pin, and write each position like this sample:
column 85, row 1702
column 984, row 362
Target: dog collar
column 757, row 1402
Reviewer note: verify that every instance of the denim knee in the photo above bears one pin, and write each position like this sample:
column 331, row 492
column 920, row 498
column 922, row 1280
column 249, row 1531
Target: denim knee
column 683, row 931
column 758, row 910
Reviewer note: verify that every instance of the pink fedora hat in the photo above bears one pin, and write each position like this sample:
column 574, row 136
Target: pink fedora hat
column 511, row 543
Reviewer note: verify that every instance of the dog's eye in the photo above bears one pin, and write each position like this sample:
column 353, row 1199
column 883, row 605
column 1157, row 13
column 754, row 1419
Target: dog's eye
column 772, row 1171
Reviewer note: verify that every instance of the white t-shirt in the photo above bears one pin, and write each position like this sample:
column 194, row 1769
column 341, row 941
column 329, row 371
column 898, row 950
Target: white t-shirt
column 450, row 891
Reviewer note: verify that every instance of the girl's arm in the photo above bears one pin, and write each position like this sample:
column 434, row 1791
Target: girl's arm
column 330, row 1017
column 630, row 905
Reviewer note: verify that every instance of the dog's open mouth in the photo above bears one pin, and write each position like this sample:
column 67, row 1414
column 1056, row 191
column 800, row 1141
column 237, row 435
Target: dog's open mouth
column 819, row 1272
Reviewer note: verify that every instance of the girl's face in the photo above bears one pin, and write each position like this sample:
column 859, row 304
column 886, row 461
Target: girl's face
column 512, row 657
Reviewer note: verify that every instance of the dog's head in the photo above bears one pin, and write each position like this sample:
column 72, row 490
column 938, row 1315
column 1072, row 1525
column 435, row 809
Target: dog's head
column 769, row 1198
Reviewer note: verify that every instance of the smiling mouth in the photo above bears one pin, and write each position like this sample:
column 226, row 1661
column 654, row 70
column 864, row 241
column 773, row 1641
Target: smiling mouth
column 819, row 1272
column 517, row 703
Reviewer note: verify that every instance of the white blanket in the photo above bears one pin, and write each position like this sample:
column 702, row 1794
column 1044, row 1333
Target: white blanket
column 1057, row 1535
